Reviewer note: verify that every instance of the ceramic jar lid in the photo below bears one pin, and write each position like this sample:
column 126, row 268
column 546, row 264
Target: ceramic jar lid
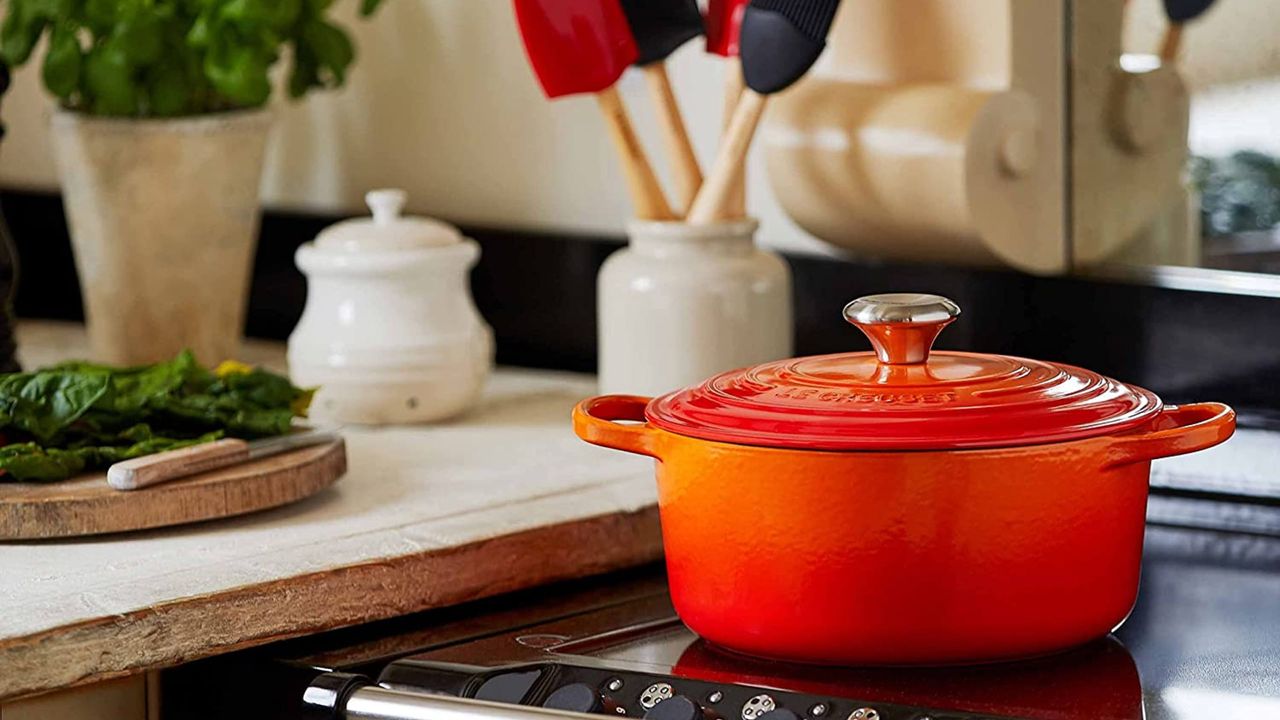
column 902, row 396
column 387, row 229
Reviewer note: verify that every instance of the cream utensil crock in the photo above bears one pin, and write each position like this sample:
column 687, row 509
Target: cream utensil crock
column 390, row 333
column 683, row 302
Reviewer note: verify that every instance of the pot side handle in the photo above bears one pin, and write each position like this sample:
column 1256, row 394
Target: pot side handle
column 594, row 421
column 1179, row 429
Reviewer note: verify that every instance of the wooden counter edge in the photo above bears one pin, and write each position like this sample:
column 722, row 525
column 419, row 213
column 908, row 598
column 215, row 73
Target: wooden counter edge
column 200, row 626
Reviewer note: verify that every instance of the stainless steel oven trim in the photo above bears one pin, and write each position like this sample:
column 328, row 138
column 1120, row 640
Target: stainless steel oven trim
column 377, row 703
column 1194, row 279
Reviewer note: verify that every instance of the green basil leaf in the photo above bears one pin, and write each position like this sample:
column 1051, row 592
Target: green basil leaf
column 19, row 34
column 332, row 47
column 109, row 81
column 246, row 13
column 141, row 37
column 105, row 56
column 240, row 74
column 49, row 10
column 305, row 73
column 170, row 93
column 284, row 14
column 100, row 15
column 62, row 62
column 201, row 33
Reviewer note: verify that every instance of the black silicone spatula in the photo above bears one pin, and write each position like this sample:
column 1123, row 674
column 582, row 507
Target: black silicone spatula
column 660, row 27
column 1180, row 12
column 779, row 41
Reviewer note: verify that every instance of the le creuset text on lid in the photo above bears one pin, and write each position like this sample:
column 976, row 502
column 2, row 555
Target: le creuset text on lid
column 902, row 396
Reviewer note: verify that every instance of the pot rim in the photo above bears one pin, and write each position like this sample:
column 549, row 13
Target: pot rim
column 1176, row 430
column 1028, row 446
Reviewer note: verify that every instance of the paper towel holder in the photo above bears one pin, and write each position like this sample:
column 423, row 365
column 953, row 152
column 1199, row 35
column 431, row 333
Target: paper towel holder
column 933, row 132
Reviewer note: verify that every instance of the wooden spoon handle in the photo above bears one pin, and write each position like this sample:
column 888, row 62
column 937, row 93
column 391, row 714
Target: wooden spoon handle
column 712, row 200
column 161, row 467
column 646, row 193
column 1171, row 43
column 675, row 135
column 736, row 207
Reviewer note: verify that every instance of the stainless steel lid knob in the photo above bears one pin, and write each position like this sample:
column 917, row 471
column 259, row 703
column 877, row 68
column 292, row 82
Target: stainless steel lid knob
column 901, row 326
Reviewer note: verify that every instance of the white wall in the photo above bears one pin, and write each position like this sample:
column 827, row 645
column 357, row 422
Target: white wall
column 1231, row 59
column 1235, row 41
column 443, row 104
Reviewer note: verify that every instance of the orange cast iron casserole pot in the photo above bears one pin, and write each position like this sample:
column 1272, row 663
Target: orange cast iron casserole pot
column 903, row 507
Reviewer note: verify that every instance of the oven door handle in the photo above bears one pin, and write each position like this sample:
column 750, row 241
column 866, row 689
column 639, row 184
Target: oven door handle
column 342, row 696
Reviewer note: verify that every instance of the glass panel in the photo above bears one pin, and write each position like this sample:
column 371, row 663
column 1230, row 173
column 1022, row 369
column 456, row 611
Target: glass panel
column 1229, row 64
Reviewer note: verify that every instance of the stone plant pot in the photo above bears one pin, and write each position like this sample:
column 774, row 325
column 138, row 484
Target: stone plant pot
column 164, row 219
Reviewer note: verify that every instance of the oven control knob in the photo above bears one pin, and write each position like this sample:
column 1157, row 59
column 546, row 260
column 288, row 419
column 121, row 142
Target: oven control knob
column 778, row 714
column 577, row 697
column 678, row 707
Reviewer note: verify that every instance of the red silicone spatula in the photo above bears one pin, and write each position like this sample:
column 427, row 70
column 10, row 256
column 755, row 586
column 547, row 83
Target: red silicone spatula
column 660, row 27
column 780, row 40
column 723, row 22
column 583, row 46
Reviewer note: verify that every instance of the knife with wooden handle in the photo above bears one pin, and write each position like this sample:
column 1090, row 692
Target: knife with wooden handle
column 150, row 470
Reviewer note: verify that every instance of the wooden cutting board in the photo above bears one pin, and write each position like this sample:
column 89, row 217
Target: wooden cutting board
column 88, row 506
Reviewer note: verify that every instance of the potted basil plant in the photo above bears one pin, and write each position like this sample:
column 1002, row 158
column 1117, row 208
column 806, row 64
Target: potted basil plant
column 159, row 142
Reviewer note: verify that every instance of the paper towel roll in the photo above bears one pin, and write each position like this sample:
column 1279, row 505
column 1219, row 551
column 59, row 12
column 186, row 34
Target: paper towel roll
column 915, row 172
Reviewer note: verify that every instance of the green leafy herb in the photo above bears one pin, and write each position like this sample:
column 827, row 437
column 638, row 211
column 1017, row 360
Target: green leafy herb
column 79, row 416
column 1239, row 193
column 158, row 58
column 30, row 461
column 62, row 63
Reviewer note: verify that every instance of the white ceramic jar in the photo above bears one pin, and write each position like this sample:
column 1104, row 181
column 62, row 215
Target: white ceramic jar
column 684, row 302
column 390, row 333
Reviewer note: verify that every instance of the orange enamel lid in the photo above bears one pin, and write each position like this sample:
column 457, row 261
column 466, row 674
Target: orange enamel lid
column 902, row 396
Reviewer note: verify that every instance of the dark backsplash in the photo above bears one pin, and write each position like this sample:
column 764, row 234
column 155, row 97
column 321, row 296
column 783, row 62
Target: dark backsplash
column 538, row 292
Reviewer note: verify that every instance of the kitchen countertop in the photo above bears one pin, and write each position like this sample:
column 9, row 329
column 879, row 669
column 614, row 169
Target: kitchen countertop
column 503, row 498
